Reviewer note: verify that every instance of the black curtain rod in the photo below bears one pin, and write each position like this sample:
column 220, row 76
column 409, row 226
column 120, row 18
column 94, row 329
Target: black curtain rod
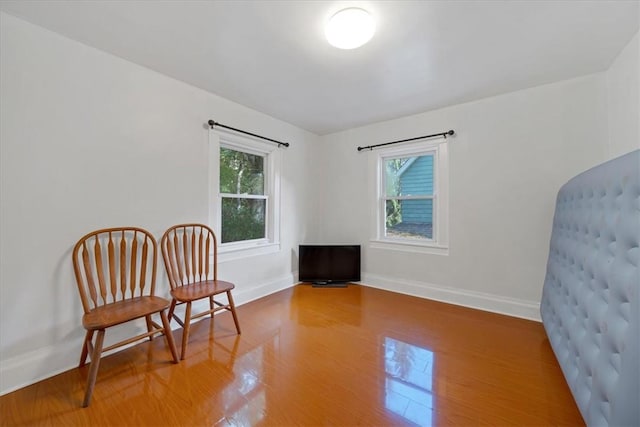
column 213, row 123
column 371, row 147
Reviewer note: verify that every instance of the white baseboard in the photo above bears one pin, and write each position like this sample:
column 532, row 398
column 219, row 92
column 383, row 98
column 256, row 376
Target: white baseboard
column 482, row 301
column 243, row 296
column 26, row 369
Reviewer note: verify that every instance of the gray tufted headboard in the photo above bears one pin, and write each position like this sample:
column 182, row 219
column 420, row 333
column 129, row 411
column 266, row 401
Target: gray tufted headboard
column 591, row 296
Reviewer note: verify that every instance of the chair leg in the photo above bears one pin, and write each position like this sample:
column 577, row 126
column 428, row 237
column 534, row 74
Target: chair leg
column 185, row 331
column 172, row 309
column 211, row 305
column 149, row 326
column 85, row 348
column 168, row 334
column 233, row 311
column 93, row 371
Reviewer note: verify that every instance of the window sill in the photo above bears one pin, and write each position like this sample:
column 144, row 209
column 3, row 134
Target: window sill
column 245, row 251
column 420, row 248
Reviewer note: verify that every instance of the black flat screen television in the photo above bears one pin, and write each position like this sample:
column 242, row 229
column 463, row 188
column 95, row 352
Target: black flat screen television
column 327, row 264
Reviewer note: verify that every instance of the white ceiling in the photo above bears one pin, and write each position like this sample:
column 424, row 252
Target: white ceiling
column 272, row 55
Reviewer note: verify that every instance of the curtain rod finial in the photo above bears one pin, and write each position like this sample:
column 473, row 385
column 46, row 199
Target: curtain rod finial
column 451, row 132
column 211, row 123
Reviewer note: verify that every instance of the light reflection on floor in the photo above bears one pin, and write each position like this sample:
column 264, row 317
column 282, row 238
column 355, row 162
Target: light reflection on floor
column 250, row 409
column 408, row 381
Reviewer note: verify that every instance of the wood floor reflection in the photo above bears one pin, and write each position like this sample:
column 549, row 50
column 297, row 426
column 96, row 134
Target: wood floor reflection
column 309, row 356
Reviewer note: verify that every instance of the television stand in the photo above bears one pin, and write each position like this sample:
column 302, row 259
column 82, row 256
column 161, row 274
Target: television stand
column 321, row 284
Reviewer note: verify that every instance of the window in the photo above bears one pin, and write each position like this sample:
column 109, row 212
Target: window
column 243, row 198
column 412, row 198
column 408, row 199
column 245, row 178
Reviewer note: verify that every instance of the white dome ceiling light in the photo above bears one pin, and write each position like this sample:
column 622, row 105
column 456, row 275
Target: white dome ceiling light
column 350, row 28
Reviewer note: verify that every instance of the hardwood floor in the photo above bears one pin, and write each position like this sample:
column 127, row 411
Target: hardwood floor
column 310, row 356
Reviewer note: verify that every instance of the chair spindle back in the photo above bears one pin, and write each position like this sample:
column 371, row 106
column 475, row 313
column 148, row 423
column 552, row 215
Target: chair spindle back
column 115, row 264
column 187, row 249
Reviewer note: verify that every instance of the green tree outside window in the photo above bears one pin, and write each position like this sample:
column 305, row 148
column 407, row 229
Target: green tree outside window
column 242, row 187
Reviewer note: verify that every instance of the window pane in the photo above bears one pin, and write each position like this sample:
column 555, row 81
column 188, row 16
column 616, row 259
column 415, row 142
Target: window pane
column 409, row 219
column 409, row 176
column 241, row 173
column 243, row 219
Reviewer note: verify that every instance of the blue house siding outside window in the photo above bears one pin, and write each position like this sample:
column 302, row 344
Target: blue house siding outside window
column 417, row 179
column 417, row 211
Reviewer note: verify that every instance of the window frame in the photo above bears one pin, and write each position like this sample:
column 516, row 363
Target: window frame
column 272, row 168
column 439, row 244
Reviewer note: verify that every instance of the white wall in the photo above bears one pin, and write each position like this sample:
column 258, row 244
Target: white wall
column 89, row 141
column 509, row 158
column 623, row 92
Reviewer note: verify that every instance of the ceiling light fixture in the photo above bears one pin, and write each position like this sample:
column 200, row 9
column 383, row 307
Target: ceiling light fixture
column 350, row 28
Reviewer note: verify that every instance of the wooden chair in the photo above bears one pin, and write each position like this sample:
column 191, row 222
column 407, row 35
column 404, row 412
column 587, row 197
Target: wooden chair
column 186, row 251
column 115, row 270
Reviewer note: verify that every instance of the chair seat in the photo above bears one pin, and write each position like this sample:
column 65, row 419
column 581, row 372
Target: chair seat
column 122, row 311
column 198, row 290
